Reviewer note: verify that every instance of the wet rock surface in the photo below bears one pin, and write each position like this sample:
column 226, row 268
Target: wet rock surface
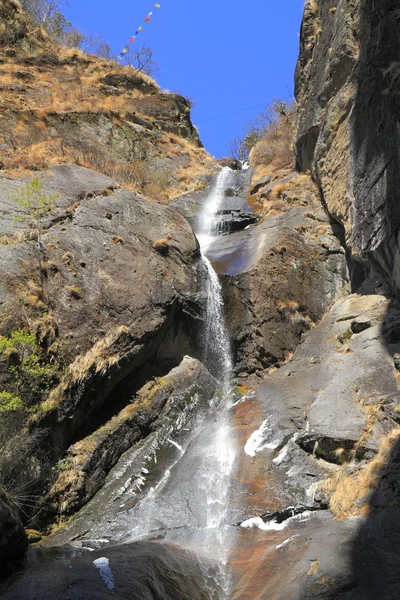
column 281, row 275
column 157, row 414
column 142, row 571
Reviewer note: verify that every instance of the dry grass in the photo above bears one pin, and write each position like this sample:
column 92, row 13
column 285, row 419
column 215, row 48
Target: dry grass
column 276, row 149
column 75, row 292
column 313, row 570
column 99, row 359
column 350, row 492
column 313, row 6
column 18, row 237
column 161, row 246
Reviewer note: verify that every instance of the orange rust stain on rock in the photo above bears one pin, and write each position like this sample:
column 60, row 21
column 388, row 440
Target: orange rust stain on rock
column 257, row 566
column 254, row 480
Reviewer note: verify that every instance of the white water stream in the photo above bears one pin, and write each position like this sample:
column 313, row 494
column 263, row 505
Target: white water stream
column 220, row 454
column 213, row 203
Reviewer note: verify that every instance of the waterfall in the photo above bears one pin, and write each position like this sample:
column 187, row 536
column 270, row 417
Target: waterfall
column 207, row 224
column 216, row 345
column 220, row 452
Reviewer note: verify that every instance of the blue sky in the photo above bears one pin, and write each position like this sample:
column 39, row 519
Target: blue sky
column 226, row 56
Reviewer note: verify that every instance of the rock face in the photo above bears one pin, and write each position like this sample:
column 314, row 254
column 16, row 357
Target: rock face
column 130, row 571
column 232, row 163
column 282, row 274
column 13, row 540
column 347, row 90
column 121, row 292
column 312, row 429
column 160, row 409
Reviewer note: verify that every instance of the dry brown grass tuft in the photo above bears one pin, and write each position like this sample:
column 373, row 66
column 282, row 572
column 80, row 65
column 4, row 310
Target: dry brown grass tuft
column 313, row 6
column 99, row 359
column 276, row 148
column 161, row 246
column 350, row 492
column 75, row 292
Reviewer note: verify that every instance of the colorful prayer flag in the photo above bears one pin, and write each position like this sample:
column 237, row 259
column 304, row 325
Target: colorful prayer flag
column 133, row 38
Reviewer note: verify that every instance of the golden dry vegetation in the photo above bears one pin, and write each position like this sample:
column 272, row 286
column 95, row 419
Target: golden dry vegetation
column 57, row 106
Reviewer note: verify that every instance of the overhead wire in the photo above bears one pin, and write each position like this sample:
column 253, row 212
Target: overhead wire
column 235, row 112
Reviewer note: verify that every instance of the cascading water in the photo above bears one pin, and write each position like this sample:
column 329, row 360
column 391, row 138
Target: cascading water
column 217, row 352
column 207, row 220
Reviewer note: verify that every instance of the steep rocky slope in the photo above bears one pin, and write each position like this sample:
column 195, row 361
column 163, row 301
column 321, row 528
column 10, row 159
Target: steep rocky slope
column 311, row 307
column 324, row 426
column 63, row 106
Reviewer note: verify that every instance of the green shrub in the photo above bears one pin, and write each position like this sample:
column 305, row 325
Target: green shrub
column 30, row 376
column 10, row 403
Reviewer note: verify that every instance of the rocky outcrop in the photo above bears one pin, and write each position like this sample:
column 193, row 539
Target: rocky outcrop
column 13, row 540
column 158, row 407
column 59, row 105
column 346, row 84
column 175, row 403
column 117, row 303
column 138, row 570
column 281, row 275
column 316, row 434
column 232, row 163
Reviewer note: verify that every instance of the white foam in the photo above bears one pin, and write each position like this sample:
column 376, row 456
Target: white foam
column 282, row 455
column 103, row 565
column 257, row 441
column 286, row 542
column 176, row 445
column 258, row 523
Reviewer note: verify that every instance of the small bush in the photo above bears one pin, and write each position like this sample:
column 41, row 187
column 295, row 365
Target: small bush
column 29, row 376
column 10, row 403
column 269, row 140
column 75, row 292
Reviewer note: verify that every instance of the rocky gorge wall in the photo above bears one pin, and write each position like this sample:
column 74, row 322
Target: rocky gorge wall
column 347, row 90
